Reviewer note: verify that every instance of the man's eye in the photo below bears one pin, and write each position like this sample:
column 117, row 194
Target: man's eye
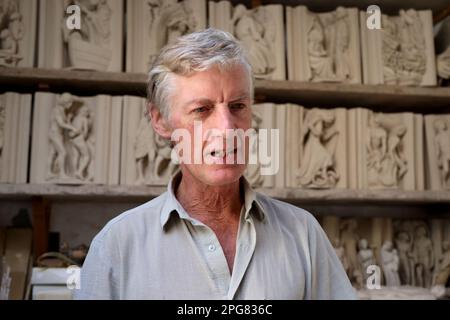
column 237, row 106
column 201, row 109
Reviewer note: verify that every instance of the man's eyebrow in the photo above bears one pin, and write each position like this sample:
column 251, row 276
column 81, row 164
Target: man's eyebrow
column 242, row 96
column 197, row 100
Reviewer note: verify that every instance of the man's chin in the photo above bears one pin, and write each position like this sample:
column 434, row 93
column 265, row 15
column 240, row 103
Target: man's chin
column 217, row 175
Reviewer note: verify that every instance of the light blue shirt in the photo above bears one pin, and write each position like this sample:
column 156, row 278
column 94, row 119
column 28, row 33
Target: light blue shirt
column 157, row 251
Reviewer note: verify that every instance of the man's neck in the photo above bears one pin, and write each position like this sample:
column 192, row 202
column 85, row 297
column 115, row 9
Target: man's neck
column 214, row 206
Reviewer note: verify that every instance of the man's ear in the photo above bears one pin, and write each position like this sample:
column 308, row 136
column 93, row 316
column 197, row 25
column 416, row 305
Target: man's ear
column 159, row 122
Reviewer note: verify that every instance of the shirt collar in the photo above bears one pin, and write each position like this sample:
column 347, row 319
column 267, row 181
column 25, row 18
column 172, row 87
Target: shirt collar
column 171, row 204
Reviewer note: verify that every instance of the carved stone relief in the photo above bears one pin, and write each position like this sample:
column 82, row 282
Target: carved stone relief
column 318, row 160
column 17, row 32
column 416, row 254
column 261, row 31
column 389, row 150
column 437, row 130
column 323, row 47
column 75, row 140
column 152, row 24
column 97, row 45
column 401, row 52
column 146, row 157
column 71, row 141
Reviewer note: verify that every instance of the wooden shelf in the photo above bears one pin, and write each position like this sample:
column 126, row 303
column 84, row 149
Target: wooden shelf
column 294, row 195
column 330, row 95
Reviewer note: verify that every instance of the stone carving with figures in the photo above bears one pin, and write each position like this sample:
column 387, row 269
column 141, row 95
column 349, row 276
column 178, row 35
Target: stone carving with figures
column 389, row 148
column 11, row 33
column 437, row 129
column 390, row 264
column 340, row 252
column 386, row 163
column 146, row 157
column 423, row 257
column 403, row 243
column 96, row 45
column 349, row 239
column 442, row 272
column 71, row 146
column 75, row 139
column 144, row 147
column 323, row 47
column 366, row 257
column 317, row 169
column 90, row 46
column 403, row 49
column 442, row 140
column 17, row 32
column 152, row 24
column 261, row 32
column 253, row 32
column 168, row 21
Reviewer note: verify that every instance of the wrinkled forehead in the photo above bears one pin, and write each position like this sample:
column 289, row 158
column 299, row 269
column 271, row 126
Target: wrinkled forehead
column 216, row 84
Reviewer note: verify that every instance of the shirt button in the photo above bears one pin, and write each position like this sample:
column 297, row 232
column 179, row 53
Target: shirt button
column 211, row 247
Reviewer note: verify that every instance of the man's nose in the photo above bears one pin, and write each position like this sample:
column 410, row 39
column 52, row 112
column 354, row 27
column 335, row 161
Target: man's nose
column 224, row 119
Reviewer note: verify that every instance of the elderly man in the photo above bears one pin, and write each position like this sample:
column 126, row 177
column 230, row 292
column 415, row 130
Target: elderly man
column 210, row 236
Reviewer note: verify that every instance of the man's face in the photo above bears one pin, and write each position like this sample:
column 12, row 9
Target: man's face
column 220, row 100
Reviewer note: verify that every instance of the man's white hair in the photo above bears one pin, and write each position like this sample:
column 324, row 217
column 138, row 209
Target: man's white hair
column 194, row 52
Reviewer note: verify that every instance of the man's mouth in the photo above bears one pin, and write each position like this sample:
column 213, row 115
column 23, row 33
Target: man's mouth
column 223, row 153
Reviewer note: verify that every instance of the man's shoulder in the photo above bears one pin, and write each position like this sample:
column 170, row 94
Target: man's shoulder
column 135, row 219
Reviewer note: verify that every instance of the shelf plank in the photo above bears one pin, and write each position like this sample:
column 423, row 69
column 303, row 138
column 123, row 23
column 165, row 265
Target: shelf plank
column 293, row 195
column 329, row 95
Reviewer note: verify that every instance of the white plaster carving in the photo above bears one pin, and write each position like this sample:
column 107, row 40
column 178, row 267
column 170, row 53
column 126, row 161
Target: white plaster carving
column 151, row 24
column 437, row 128
column 401, row 52
column 389, row 150
column 318, row 159
column 146, row 157
column 261, row 31
column 76, row 140
column 17, row 32
column 323, row 47
column 97, row 45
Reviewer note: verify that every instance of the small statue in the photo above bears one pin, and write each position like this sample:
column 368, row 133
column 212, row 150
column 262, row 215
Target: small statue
column 340, row 252
column 366, row 257
column 390, row 263
column 403, row 242
column 423, row 257
column 442, row 143
column 442, row 273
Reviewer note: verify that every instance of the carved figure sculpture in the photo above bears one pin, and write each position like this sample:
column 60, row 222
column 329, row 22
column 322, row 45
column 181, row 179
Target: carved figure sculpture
column 319, row 139
column 390, row 264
